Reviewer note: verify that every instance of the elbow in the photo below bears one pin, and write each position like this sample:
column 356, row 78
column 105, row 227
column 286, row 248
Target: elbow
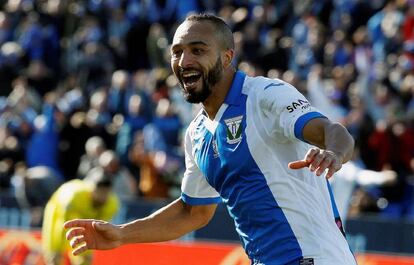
column 349, row 144
column 340, row 140
column 199, row 216
column 351, row 149
column 202, row 221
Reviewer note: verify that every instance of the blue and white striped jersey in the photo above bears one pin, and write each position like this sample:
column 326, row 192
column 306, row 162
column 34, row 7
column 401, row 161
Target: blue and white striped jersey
column 283, row 216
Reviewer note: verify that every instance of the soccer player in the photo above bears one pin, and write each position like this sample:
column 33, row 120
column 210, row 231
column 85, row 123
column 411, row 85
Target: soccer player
column 91, row 198
column 258, row 146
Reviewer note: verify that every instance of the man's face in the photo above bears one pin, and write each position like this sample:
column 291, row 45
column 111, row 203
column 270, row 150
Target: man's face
column 195, row 59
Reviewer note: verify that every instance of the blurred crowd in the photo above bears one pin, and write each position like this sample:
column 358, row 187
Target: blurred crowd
column 86, row 85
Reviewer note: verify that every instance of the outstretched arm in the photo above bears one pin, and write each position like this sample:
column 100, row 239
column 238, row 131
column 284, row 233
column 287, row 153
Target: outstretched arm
column 335, row 147
column 170, row 222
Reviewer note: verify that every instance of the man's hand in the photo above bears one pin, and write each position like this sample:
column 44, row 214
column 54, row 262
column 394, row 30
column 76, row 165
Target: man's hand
column 319, row 160
column 87, row 234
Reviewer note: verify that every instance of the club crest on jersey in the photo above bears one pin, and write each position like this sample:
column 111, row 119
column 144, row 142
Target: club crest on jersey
column 234, row 129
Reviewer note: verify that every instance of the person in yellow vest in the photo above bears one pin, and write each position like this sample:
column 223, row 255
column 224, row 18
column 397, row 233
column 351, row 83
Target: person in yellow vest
column 89, row 198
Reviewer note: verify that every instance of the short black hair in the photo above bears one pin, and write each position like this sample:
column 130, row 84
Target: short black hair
column 223, row 29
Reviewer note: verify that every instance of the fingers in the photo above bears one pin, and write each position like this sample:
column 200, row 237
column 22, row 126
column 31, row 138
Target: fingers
column 325, row 163
column 77, row 223
column 74, row 232
column 310, row 155
column 334, row 168
column 319, row 161
column 80, row 249
column 309, row 158
column 77, row 241
column 298, row 164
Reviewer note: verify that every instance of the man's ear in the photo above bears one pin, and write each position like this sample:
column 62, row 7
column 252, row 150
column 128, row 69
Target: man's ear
column 228, row 57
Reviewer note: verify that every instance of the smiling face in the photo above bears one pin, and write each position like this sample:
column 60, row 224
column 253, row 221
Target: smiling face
column 196, row 59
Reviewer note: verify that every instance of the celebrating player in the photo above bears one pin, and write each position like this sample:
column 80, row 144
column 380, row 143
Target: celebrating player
column 258, row 146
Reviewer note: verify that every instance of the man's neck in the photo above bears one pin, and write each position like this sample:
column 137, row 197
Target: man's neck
column 219, row 92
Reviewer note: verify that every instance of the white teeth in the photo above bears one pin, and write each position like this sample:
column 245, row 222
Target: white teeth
column 190, row 74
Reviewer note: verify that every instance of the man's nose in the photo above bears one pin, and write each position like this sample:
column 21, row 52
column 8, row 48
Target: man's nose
column 186, row 60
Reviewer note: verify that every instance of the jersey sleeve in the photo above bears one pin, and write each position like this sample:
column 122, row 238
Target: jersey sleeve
column 287, row 109
column 195, row 190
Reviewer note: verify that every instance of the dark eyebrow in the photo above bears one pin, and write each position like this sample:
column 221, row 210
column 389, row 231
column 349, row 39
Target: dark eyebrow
column 198, row 43
column 193, row 43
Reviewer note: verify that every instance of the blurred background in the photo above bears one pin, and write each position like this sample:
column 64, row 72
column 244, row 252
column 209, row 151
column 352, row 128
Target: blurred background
column 87, row 85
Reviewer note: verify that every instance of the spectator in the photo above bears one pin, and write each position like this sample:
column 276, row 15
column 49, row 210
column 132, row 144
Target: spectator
column 124, row 183
column 151, row 183
column 362, row 50
column 94, row 147
column 33, row 188
column 43, row 146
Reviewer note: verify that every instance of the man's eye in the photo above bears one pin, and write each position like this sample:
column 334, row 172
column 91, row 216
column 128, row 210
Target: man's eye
column 197, row 51
column 176, row 53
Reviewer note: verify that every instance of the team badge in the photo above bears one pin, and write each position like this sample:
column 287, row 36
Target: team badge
column 234, row 129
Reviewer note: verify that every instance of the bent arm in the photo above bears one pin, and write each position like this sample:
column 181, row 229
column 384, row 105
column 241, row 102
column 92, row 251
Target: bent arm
column 335, row 143
column 169, row 222
column 330, row 136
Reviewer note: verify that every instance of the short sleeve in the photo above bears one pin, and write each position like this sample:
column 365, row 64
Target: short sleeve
column 194, row 187
column 287, row 109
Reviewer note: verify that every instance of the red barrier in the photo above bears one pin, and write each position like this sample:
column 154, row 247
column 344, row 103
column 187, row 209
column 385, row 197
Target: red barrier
column 20, row 247
column 377, row 259
column 23, row 247
column 174, row 253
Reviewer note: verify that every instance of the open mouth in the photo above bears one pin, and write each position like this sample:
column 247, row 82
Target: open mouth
column 190, row 78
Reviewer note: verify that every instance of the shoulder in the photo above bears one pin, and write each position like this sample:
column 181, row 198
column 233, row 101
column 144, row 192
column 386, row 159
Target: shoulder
column 267, row 90
column 270, row 93
column 260, row 84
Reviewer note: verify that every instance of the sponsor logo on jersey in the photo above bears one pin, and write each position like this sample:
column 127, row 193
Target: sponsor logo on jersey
column 298, row 104
column 234, row 129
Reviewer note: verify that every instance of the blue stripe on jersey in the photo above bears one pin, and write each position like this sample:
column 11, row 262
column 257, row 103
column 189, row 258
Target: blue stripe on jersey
column 199, row 201
column 230, row 168
column 335, row 209
column 233, row 96
column 303, row 120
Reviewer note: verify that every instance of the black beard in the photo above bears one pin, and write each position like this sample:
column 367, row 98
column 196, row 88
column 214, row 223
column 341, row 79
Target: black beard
column 213, row 76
